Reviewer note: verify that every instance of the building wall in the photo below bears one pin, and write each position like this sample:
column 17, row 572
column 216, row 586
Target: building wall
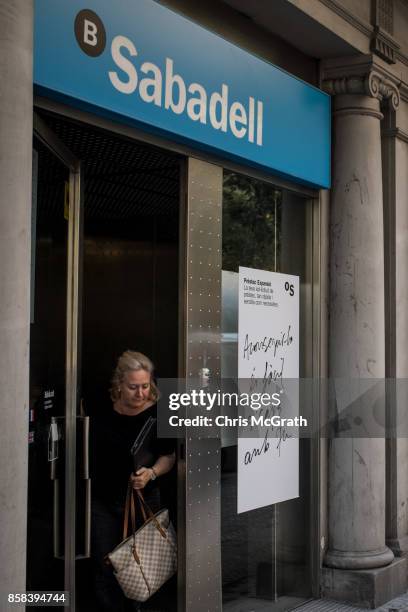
column 400, row 27
column 242, row 31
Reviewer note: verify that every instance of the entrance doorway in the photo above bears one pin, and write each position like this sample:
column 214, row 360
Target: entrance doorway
column 105, row 276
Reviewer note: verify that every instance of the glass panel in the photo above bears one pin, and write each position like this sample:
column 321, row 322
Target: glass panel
column 45, row 537
column 265, row 552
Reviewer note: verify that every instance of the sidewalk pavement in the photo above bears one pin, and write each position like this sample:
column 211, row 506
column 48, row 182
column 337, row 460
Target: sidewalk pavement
column 399, row 604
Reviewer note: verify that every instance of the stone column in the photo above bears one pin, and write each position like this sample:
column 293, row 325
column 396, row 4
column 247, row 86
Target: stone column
column 356, row 334
column 395, row 162
column 16, row 24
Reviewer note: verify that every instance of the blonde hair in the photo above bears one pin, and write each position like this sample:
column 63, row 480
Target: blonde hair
column 131, row 361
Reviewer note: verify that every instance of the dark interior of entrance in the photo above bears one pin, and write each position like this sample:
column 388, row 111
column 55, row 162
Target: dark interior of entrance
column 130, row 250
column 129, row 266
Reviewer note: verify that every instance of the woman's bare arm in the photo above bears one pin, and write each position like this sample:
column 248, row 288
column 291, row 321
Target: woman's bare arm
column 163, row 465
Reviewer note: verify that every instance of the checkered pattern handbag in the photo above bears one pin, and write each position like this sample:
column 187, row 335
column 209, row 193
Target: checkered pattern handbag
column 148, row 557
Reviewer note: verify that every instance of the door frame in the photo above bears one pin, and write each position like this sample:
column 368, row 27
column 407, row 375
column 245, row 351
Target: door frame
column 58, row 148
column 318, row 284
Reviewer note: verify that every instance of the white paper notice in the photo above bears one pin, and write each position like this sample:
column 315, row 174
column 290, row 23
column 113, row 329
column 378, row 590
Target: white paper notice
column 268, row 351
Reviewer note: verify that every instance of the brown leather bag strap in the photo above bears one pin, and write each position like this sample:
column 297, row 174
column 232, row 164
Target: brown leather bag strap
column 132, row 513
column 127, row 510
column 130, row 509
column 143, row 503
column 142, row 508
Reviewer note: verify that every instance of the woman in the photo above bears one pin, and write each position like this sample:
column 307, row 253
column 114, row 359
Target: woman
column 133, row 396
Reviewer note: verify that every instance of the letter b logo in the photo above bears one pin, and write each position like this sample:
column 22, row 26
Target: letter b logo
column 90, row 33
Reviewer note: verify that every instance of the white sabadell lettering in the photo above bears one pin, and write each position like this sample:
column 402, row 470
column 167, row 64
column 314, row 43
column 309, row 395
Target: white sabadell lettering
column 238, row 116
column 251, row 119
column 150, row 89
column 197, row 107
column 171, row 81
column 259, row 127
column 170, row 91
column 129, row 86
column 218, row 109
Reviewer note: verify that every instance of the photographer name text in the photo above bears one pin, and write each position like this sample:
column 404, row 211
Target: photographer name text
column 225, row 421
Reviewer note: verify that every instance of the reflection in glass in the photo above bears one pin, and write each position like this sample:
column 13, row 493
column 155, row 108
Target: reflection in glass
column 265, row 552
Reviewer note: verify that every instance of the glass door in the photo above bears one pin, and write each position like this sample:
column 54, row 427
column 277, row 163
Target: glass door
column 52, row 489
column 266, row 552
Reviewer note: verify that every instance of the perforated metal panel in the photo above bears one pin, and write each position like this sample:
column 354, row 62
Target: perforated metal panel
column 203, row 349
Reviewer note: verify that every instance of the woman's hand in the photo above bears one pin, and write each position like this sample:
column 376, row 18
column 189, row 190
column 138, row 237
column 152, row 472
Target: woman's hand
column 163, row 465
column 141, row 478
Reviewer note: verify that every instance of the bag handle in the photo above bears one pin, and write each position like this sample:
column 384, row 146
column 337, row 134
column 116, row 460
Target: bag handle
column 152, row 517
column 130, row 508
column 127, row 510
column 142, row 508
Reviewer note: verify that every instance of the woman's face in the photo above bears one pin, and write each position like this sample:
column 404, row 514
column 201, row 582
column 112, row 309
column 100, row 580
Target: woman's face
column 135, row 389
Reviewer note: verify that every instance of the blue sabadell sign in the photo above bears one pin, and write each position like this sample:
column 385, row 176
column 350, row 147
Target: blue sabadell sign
column 140, row 63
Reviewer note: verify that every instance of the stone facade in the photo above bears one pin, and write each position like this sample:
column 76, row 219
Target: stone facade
column 357, row 51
